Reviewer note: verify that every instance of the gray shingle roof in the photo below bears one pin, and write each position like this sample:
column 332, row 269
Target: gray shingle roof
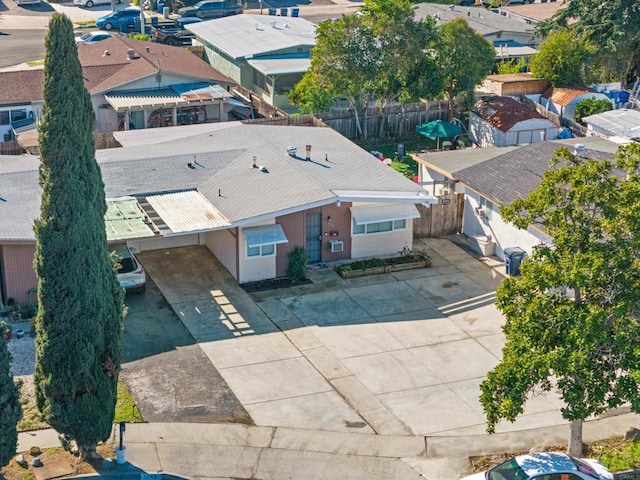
column 481, row 20
column 243, row 35
column 516, row 173
column 223, row 160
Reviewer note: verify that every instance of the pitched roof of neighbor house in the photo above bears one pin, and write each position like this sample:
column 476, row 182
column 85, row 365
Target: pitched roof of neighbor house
column 564, row 96
column 21, row 86
column 512, row 78
column 104, row 72
column 516, row 173
column 623, row 123
column 533, row 12
column 504, row 112
column 481, row 20
column 244, row 35
column 219, row 165
column 106, row 64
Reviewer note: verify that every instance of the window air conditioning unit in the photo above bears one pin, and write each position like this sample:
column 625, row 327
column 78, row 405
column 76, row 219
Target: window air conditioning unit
column 336, row 245
column 481, row 212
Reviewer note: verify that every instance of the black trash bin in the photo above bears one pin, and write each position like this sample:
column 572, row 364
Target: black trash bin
column 513, row 258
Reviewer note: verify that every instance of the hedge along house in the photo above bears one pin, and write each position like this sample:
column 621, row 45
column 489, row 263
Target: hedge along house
column 241, row 190
column 501, row 121
column 265, row 54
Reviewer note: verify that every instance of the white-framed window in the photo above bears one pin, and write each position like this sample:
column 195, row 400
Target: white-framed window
column 378, row 227
column 261, row 251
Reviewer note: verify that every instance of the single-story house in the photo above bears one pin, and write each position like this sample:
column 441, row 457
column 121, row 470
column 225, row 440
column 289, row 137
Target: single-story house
column 620, row 126
column 497, row 29
column 493, row 177
column 250, row 193
column 563, row 101
column 514, row 84
column 501, row 121
column 267, row 55
column 133, row 84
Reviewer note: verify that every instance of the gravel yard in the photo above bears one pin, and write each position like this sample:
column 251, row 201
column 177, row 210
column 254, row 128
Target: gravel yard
column 23, row 351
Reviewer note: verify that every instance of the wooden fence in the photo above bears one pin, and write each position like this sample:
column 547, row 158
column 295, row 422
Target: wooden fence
column 575, row 128
column 11, row 147
column 445, row 218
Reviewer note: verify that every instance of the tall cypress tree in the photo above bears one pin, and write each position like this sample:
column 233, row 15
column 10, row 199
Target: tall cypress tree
column 80, row 303
column 10, row 408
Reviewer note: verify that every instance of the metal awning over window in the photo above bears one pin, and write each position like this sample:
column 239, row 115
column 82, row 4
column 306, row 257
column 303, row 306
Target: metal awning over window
column 384, row 213
column 264, row 235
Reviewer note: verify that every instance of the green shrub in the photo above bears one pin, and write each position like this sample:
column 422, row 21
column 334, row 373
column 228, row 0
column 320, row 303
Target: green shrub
column 298, row 260
column 139, row 36
column 406, row 256
column 624, row 459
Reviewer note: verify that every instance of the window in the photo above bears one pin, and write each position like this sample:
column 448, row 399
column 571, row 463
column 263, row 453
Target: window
column 18, row 115
column 262, row 251
column 259, row 80
column 378, row 227
column 4, row 118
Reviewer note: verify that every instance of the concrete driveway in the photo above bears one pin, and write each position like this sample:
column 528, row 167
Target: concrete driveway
column 400, row 353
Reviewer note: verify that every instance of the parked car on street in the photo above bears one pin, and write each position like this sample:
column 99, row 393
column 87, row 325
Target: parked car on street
column 174, row 33
column 91, row 3
column 93, row 37
column 114, row 20
column 207, row 9
column 131, row 275
column 546, row 466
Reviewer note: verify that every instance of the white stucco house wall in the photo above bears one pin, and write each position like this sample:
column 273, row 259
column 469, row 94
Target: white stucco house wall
column 563, row 101
column 500, row 121
column 492, row 177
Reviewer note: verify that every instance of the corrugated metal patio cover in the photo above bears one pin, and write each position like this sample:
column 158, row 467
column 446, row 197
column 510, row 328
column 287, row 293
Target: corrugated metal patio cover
column 125, row 220
column 187, row 211
column 383, row 213
column 264, row 235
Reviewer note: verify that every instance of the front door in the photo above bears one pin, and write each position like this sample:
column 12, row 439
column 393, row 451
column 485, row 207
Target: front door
column 314, row 237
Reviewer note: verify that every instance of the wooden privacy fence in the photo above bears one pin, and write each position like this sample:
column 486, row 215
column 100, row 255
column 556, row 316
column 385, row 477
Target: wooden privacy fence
column 445, row 218
column 575, row 128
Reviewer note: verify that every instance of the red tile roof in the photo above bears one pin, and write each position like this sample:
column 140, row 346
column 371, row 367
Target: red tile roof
column 564, row 96
column 503, row 112
column 116, row 69
column 105, row 72
column 22, row 86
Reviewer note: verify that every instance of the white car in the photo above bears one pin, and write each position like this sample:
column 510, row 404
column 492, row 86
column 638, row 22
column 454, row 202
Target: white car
column 131, row 275
column 546, row 466
column 93, row 37
column 91, row 3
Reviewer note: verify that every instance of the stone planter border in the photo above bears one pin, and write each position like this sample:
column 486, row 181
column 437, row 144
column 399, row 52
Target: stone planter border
column 399, row 267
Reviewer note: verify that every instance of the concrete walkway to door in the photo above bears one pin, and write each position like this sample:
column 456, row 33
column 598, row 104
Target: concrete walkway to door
column 394, row 354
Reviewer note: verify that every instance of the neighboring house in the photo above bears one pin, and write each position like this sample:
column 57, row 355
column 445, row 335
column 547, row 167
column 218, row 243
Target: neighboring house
column 532, row 13
column 502, row 121
column 133, row 84
column 620, row 126
column 20, row 102
column 514, row 84
column 265, row 54
column 497, row 29
column 239, row 189
column 493, row 177
column 563, row 101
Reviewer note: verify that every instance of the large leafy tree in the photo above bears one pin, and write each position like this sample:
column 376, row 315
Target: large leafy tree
column 572, row 316
column 591, row 106
column 383, row 55
column 465, row 57
column 10, row 408
column 562, row 59
column 80, row 310
column 612, row 26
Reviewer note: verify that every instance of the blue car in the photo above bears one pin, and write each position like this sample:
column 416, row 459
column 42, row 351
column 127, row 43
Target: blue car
column 116, row 19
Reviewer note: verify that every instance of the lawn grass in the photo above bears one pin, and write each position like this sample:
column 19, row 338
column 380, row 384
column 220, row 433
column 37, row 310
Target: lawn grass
column 126, row 408
column 35, row 63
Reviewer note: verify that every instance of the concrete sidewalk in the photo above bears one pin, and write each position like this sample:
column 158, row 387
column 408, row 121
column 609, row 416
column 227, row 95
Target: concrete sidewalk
column 249, row 452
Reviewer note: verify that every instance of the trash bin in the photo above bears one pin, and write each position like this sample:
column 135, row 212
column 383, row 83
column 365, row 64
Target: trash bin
column 295, row 12
column 154, row 21
column 513, row 257
column 153, row 5
column 284, row 12
column 166, row 11
column 137, row 24
column 160, row 7
column 272, row 11
column 124, row 27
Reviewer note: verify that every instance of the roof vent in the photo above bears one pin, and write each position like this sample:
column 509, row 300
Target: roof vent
column 452, row 7
column 291, row 151
column 273, row 24
column 254, row 165
column 148, row 48
column 308, row 153
column 579, row 150
column 106, row 53
column 131, row 54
